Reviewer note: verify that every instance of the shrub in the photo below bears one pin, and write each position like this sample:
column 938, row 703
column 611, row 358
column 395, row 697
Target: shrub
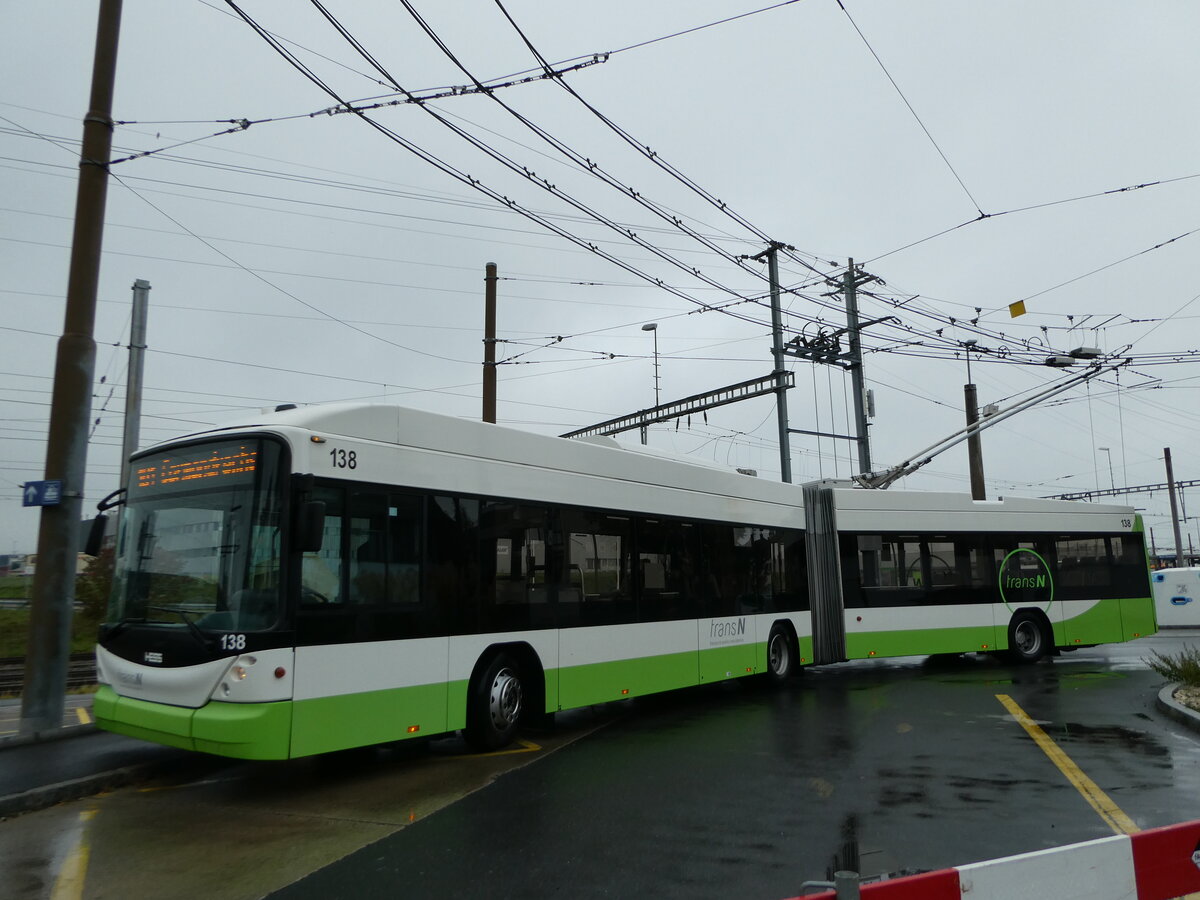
column 1183, row 667
column 93, row 586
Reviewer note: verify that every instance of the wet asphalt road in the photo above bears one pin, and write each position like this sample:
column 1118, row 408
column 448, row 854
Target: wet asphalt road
column 881, row 766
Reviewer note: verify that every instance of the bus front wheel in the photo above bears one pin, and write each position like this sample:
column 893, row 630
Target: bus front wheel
column 494, row 704
column 1027, row 642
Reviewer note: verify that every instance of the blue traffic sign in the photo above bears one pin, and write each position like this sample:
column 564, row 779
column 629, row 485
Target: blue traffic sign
column 42, row 493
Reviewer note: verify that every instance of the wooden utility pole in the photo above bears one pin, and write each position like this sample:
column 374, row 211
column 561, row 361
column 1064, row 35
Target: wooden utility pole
column 974, row 445
column 70, row 407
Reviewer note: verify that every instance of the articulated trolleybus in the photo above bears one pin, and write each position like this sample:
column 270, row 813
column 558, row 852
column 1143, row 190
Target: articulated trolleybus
column 328, row 577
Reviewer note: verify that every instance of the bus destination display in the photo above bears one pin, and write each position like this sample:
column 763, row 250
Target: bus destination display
column 233, row 464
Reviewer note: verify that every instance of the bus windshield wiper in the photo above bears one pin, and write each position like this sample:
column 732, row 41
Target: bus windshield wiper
column 119, row 626
column 183, row 614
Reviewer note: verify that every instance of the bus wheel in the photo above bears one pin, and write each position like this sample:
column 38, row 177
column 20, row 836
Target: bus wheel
column 494, row 705
column 1026, row 638
column 781, row 655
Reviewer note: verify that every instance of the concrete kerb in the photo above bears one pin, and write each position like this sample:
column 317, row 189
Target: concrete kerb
column 75, row 789
column 40, row 737
column 1176, row 710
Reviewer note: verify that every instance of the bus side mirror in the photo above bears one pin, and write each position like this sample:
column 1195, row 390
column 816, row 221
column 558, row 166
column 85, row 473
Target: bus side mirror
column 95, row 537
column 310, row 526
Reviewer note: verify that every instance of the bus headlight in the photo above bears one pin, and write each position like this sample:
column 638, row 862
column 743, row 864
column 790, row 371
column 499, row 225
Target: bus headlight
column 242, row 668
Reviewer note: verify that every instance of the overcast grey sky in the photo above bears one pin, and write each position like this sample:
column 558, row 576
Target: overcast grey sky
column 316, row 258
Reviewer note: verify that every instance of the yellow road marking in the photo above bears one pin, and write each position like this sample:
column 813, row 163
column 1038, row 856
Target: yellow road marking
column 1100, row 801
column 526, row 747
column 69, row 884
column 84, row 718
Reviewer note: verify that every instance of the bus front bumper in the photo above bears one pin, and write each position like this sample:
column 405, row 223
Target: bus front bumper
column 239, row 730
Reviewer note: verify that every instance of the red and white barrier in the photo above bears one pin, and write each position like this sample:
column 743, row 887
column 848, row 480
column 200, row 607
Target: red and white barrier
column 1159, row 864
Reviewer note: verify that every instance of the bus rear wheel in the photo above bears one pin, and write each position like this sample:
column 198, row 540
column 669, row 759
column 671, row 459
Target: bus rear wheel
column 494, row 704
column 781, row 655
column 1027, row 641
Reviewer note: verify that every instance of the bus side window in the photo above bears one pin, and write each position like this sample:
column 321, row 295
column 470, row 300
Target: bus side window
column 368, row 548
column 671, row 570
column 789, row 568
column 404, row 550
column 598, row 560
column 521, row 570
column 321, row 572
column 453, row 558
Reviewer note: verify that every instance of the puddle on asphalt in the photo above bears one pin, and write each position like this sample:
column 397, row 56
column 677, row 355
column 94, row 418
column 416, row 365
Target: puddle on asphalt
column 1048, row 676
column 1111, row 736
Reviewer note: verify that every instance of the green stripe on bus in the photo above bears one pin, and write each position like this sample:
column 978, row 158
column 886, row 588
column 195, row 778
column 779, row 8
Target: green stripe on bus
column 1107, row 622
column 602, row 682
column 806, row 651
column 619, row 680
column 323, row 724
column 1138, row 618
column 735, row 661
column 921, row 642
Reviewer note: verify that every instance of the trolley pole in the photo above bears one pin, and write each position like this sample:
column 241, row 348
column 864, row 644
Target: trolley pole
column 1174, row 510
column 70, row 408
column 489, row 343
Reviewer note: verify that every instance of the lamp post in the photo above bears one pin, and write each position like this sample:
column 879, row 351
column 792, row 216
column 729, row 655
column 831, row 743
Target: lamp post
column 652, row 327
column 1112, row 481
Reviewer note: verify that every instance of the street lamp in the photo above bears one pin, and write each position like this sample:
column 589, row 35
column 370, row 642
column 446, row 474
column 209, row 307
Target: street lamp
column 968, row 346
column 652, row 327
column 1111, row 479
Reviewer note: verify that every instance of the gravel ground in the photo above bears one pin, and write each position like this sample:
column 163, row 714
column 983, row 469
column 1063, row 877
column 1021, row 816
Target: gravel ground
column 1189, row 696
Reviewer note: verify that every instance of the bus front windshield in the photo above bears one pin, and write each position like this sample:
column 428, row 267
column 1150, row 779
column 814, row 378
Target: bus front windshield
column 199, row 542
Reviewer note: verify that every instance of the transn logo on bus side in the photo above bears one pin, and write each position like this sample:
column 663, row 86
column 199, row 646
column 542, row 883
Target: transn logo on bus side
column 727, row 632
column 1025, row 580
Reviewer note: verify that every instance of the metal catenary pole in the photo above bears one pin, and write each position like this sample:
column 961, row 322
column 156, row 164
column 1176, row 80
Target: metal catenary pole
column 70, row 409
column 785, row 449
column 856, row 370
column 489, row 343
column 133, row 387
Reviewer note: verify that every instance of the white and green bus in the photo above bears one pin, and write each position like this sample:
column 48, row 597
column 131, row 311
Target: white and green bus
column 315, row 579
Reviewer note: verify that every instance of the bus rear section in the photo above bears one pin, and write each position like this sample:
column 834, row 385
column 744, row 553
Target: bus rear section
column 911, row 574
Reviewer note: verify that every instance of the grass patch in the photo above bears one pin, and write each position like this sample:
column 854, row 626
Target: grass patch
column 14, row 633
column 15, row 587
column 1183, row 666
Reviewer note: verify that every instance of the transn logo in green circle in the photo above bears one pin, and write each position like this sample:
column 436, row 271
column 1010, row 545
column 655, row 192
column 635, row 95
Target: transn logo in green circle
column 1025, row 580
